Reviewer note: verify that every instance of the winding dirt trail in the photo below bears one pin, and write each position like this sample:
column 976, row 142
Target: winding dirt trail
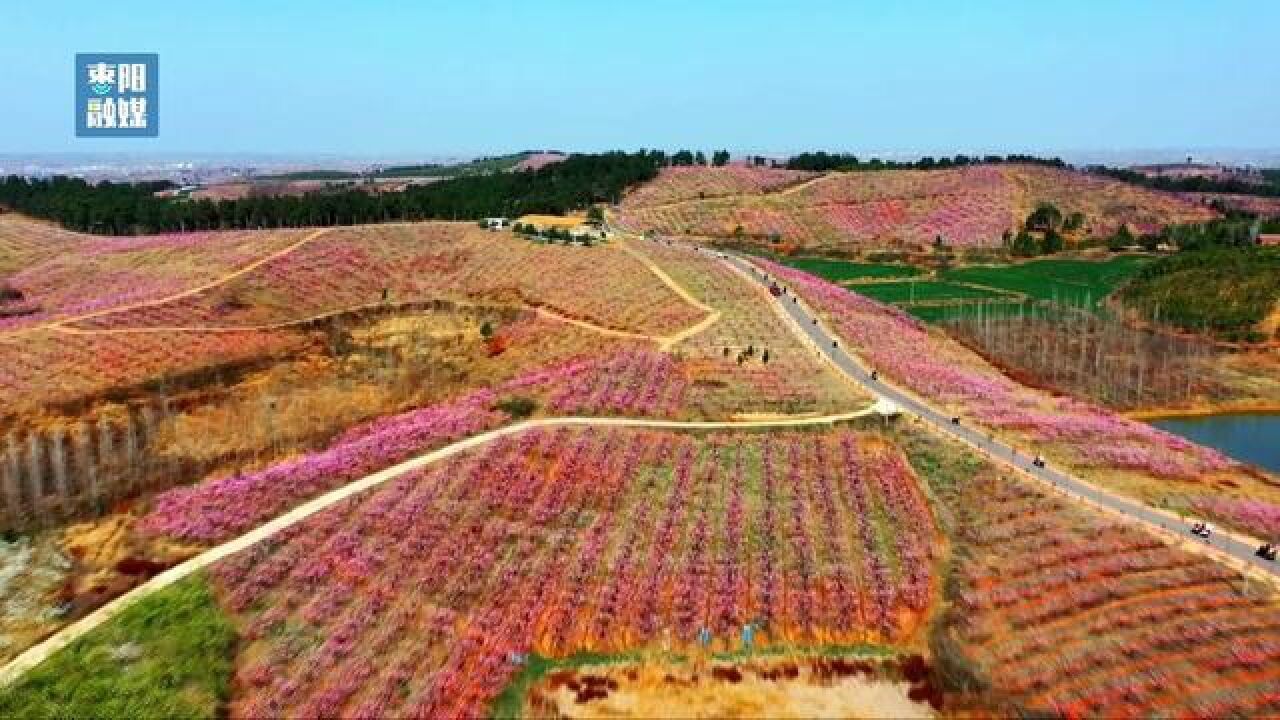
column 221, row 280
column 713, row 315
column 37, row 654
column 793, row 189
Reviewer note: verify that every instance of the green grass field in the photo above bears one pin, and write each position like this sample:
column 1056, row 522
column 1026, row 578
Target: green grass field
column 843, row 270
column 167, row 656
column 1006, row 287
column 924, row 291
column 1076, row 282
column 943, row 313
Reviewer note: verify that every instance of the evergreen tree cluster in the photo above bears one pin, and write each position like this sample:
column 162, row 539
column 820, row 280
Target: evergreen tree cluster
column 1046, row 221
column 1268, row 187
column 689, row 158
column 1225, row 290
column 825, row 162
column 124, row 209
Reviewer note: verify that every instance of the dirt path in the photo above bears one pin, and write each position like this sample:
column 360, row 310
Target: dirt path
column 222, row 280
column 713, row 315
column 792, row 189
column 34, row 655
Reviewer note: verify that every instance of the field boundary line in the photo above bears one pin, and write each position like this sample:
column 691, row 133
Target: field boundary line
column 40, row 652
column 599, row 329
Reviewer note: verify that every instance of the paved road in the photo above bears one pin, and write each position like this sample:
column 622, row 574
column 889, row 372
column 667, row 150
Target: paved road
column 980, row 440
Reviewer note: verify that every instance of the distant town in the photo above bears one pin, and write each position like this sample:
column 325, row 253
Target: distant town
column 206, row 169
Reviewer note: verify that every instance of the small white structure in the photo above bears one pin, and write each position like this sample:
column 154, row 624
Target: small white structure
column 886, row 408
column 496, row 223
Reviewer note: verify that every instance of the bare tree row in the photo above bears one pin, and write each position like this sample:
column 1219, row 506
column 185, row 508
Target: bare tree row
column 1088, row 354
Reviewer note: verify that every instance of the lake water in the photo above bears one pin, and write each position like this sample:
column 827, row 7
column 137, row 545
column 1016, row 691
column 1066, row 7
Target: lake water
column 1250, row 438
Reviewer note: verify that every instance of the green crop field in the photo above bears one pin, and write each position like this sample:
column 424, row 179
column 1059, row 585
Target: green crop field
column 1076, row 282
column 1003, row 288
column 932, row 291
column 944, row 313
column 843, row 270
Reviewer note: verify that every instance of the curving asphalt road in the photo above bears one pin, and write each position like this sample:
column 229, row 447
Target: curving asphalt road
column 1238, row 549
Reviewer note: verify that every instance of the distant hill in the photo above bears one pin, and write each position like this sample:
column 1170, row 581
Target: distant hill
column 479, row 166
column 311, row 175
column 538, row 160
column 901, row 209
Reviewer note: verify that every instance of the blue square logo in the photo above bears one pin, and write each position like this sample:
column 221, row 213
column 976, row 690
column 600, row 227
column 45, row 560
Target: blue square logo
column 117, row 94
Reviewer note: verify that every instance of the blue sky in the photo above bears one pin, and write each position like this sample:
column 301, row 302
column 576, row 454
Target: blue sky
column 472, row 77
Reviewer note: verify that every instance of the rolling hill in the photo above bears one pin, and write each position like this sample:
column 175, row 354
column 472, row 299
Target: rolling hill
column 900, row 209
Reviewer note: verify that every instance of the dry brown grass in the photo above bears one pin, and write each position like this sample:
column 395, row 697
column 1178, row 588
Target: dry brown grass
column 1271, row 325
column 393, row 364
column 777, row 689
column 557, row 221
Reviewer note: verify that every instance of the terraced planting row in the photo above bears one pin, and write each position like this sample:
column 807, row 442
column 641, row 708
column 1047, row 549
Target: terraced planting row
column 124, row 269
column 676, row 184
column 625, row 381
column 1105, row 203
column 49, row 367
column 25, row 242
column 364, row 266
column 970, row 206
column 410, row 600
column 1071, row 615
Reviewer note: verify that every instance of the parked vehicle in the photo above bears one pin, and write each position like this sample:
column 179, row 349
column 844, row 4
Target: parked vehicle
column 1201, row 530
column 1267, row 552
